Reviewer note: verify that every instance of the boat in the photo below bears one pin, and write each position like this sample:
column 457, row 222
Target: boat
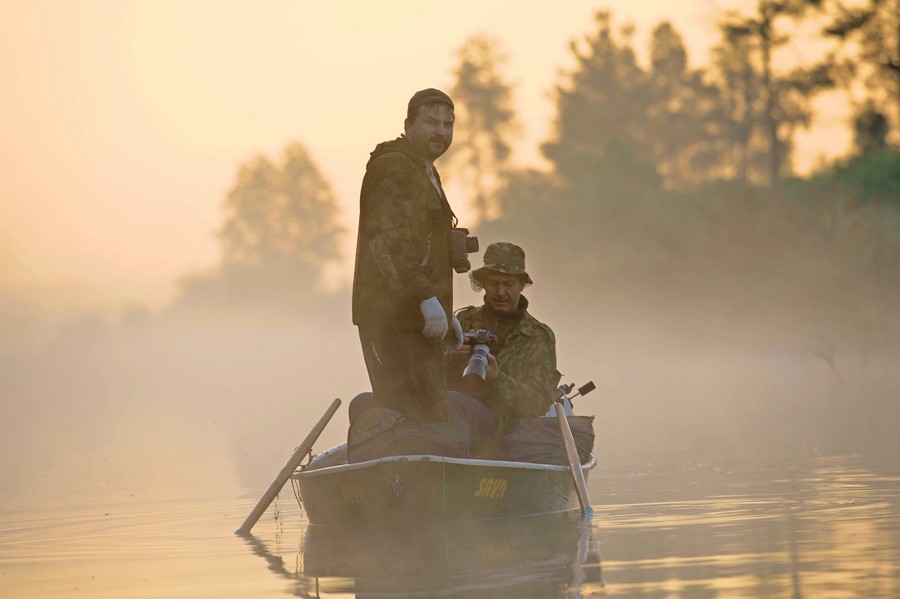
column 410, row 489
column 420, row 489
column 429, row 488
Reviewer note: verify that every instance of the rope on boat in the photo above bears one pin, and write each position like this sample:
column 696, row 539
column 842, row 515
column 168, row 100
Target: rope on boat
column 295, row 487
column 295, row 484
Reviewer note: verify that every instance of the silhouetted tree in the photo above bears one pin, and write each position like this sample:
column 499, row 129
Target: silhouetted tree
column 600, row 107
column 741, row 87
column 684, row 114
column 281, row 229
column 283, row 213
column 531, row 211
column 870, row 128
column 870, row 41
column 605, row 186
column 486, row 123
column 784, row 101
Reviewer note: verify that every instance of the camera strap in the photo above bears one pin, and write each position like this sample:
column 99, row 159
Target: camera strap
column 436, row 183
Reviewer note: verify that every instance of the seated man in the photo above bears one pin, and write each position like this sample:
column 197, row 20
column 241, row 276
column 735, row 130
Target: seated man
column 521, row 379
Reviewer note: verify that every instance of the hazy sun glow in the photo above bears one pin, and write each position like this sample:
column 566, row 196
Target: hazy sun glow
column 124, row 122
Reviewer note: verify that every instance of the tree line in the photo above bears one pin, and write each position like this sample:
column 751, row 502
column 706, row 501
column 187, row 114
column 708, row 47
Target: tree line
column 660, row 174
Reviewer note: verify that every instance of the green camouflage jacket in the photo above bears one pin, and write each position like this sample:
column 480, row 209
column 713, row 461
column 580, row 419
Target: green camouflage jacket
column 526, row 387
column 402, row 246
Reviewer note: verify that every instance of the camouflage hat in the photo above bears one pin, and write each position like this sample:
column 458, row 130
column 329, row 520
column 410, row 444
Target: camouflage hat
column 506, row 258
column 427, row 96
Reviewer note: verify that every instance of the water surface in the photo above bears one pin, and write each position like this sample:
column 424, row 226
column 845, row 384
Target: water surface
column 831, row 529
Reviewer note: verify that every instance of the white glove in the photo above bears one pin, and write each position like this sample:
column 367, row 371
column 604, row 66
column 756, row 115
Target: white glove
column 435, row 318
column 456, row 338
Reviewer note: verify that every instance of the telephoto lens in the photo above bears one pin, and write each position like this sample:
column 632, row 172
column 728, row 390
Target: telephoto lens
column 478, row 362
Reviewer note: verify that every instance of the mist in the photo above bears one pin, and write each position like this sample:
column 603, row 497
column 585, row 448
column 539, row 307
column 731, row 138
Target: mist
column 739, row 352
column 183, row 404
column 729, row 313
column 167, row 407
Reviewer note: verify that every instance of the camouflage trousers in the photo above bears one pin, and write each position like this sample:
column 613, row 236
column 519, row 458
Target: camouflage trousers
column 406, row 371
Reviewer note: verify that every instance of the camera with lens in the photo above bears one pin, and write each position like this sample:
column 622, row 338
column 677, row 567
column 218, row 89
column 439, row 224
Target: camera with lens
column 461, row 245
column 480, row 341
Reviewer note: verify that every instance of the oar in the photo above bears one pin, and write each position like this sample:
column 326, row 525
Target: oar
column 574, row 462
column 287, row 470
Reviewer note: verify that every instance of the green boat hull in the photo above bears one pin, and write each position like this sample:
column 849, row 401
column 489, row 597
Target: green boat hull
column 427, row 489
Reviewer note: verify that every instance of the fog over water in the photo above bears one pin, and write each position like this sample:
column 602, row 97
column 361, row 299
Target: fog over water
column 183, row 406
column 746, row 447
column 151, row 409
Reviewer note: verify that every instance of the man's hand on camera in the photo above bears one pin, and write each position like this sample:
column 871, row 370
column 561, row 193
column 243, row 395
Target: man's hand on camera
column 492, row 371
column 435, row 318
column 460, row 358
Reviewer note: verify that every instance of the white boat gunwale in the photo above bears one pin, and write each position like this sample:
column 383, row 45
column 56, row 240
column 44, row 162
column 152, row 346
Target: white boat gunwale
column 326, row 470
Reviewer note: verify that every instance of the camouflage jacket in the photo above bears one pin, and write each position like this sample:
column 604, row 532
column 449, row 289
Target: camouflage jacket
column 402, row 245
column 526, row 387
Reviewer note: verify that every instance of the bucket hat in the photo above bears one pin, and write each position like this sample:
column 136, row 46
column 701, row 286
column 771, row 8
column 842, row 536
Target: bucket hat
column 503, row 257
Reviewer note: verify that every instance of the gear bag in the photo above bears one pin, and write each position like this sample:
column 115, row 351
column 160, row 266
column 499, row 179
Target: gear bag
column 539, row 440
column 379, row 432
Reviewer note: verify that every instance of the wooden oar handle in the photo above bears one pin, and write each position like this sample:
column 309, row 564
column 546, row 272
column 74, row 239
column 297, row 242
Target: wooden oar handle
column 287, row 470
column 574, row 462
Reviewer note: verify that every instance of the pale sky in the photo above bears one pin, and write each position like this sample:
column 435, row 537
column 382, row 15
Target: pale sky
column 122, row 123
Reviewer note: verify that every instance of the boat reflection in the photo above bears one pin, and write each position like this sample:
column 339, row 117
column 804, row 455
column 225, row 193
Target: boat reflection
column 536, row 556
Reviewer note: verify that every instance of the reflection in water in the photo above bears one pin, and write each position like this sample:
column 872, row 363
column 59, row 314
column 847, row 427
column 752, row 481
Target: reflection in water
column 832, row 532
column 545, row 556
column 829, row 531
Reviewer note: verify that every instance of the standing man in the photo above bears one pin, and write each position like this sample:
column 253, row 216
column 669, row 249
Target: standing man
column 521, row 372
column 403, row 278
